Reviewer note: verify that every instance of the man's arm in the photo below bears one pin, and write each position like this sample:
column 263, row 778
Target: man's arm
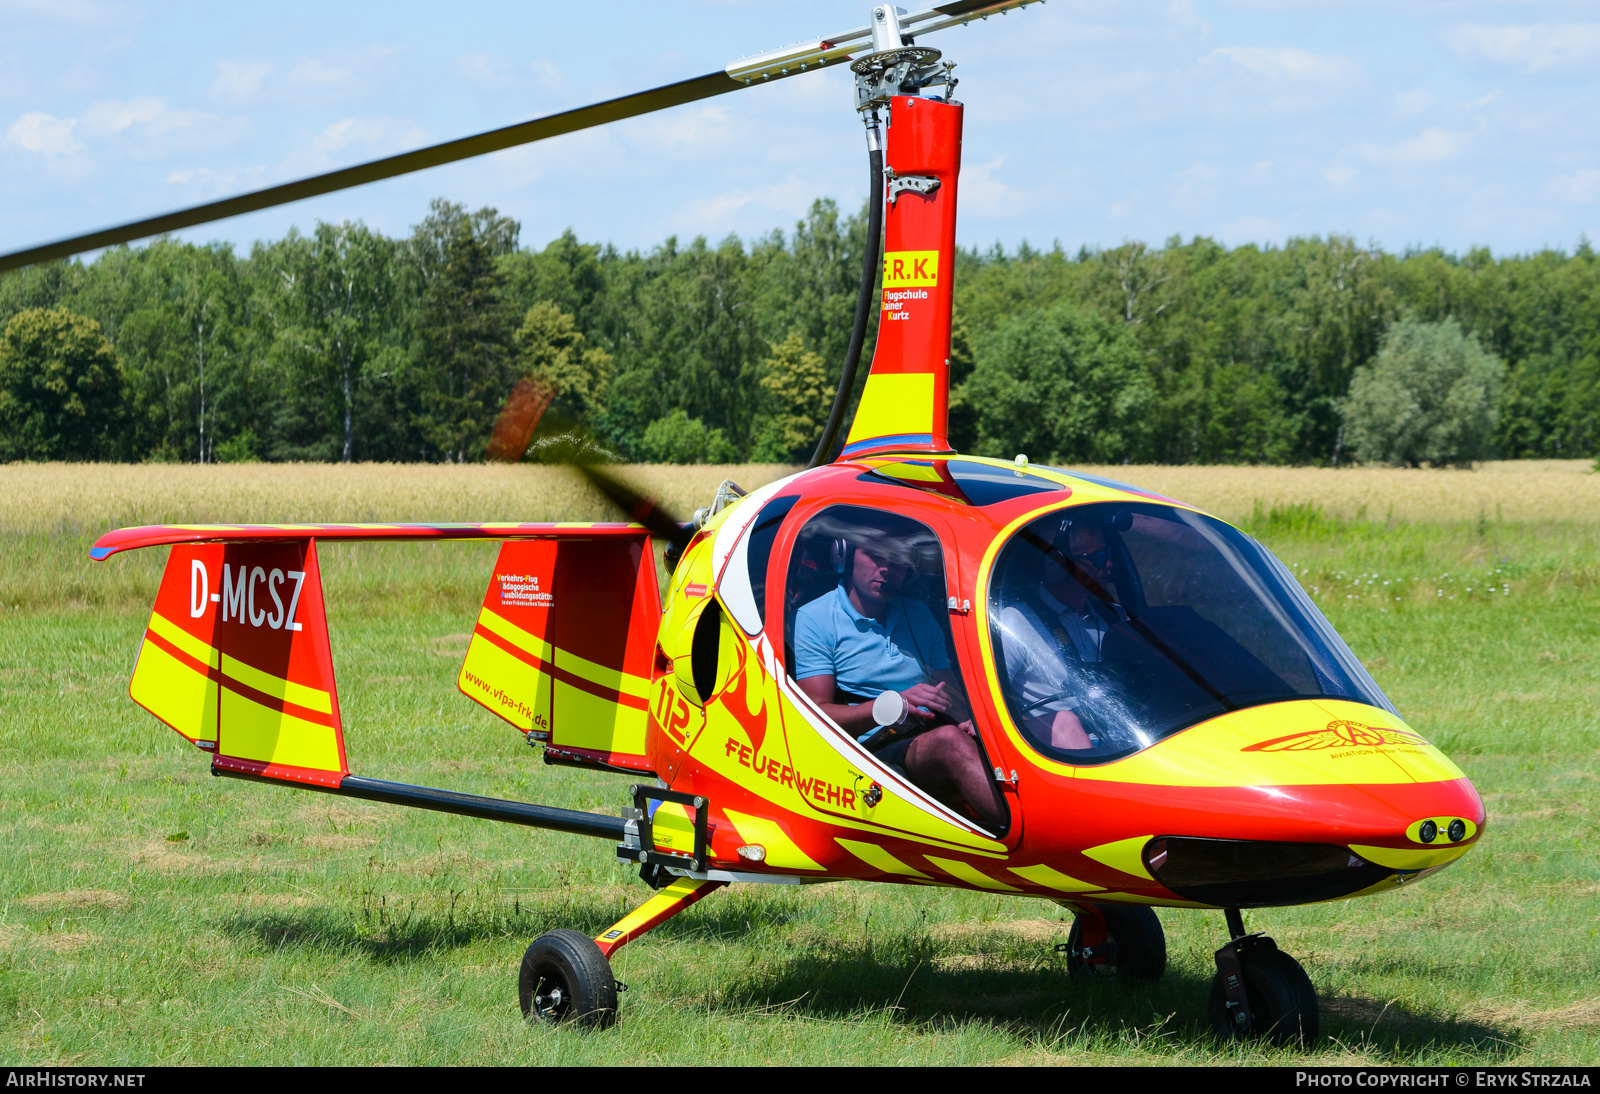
column 854, row 720
column 857, row 719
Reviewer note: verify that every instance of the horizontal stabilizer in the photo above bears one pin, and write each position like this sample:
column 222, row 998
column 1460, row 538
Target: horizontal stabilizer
column 158, row 535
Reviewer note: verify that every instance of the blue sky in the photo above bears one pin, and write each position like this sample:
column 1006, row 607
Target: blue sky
column 1405, row 122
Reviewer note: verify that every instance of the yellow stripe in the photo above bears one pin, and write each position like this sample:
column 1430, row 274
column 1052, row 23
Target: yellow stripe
column 1400, row 858
column 523, row 640
column 969, row 873
column 188, row 643
column 782, row 852
column 615, row 679
column 667, row 898
column 894, row 403
column 251, row 731
column 276, row 686
column 878, row 858
column 1123, row 854
column 1055, row 879
column 180, row 696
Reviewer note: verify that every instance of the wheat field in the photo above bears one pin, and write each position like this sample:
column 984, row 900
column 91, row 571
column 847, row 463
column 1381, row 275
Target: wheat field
column 87, row 499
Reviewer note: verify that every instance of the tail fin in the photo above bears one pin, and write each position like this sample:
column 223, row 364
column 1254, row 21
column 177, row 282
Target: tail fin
column 564, row 645
column 236, row 659
column 906, row 403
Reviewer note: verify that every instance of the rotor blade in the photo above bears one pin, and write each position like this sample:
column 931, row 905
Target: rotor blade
column 553, row 125
column 777, row 65
column 641, row 508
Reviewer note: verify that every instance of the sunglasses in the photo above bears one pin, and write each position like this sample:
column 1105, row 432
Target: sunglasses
column 1095, row 559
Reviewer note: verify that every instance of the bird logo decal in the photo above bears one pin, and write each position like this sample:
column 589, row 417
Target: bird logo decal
column 1338, row 734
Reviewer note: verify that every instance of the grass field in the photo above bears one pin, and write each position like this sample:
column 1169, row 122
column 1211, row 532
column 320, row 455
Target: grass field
column 152, row 914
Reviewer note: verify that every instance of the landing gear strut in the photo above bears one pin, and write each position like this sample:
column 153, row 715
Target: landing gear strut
column 566, row 975
column 1260, row 991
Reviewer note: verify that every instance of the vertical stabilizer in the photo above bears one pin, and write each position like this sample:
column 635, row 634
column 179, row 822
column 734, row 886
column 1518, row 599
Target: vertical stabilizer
column 905, row 407
column 236, row 659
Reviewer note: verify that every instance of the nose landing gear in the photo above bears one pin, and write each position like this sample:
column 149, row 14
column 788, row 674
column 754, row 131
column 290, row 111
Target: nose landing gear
column 1260, row 991
column 1115, row 940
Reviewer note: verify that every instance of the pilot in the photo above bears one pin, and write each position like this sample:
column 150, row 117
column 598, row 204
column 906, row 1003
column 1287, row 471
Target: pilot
column 1064, row 626
column 863, row 640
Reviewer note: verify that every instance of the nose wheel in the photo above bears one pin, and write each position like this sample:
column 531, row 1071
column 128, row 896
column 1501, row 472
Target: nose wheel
column 1122, row 941
column 1260, row 992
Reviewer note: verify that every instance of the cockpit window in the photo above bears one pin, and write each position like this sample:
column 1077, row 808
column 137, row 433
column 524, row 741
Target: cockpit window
column 1115, row 625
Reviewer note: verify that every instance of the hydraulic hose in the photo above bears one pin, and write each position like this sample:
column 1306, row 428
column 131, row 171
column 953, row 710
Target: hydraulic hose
column 865, row 300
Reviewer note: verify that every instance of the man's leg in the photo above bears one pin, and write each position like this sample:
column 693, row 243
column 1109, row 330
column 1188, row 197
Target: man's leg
column 947, row 756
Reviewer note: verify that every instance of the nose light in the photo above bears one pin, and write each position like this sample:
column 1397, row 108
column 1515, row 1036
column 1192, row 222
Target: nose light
column 1433, row 830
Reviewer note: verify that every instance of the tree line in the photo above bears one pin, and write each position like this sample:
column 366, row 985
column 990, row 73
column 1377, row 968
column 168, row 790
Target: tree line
column 346, row 344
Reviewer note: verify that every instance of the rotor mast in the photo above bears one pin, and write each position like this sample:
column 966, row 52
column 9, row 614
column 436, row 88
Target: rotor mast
column 905, row 406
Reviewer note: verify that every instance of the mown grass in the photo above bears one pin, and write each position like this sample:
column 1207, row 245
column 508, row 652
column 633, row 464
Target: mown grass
column 152, row 914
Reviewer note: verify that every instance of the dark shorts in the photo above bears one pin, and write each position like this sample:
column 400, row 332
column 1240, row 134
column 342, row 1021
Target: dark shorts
column 895, row 751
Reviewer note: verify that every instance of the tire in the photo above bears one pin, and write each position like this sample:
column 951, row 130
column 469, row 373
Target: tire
column 565, row 977
column 1283, row 1004
column 1138, row 944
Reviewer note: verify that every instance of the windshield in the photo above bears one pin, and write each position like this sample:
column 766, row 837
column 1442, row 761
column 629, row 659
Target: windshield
column 1117, row 624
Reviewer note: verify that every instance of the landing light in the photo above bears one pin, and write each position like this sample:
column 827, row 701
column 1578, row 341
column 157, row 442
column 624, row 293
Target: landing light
column 1430, row 831
column 753, row 852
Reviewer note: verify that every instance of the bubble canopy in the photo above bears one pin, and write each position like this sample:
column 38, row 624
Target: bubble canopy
column 1115, row 625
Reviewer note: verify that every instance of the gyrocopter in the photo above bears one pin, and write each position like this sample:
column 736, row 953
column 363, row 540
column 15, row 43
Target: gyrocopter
column 899, row 665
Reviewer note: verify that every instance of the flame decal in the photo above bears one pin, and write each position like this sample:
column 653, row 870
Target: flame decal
column 736, row 696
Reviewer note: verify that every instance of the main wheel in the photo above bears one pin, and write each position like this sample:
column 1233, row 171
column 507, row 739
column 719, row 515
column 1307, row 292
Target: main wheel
column 565, row 976
column 1138, row 949
column 1283, row 1004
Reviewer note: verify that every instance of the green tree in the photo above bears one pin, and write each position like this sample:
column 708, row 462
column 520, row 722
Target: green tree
column 61, row 388
column 551, row 348
column 1430, row 396
column 1059, row 385
column 338, row 312
column 678, row 438
column 798, row 398
column 467, row 356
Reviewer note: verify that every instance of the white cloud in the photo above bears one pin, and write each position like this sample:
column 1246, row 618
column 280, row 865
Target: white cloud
column 113, row 116
column 44, row 134
column 315, row 75
column 1540, row 47
column 1429, row 146
column 983, row 193
column 362, row 136
column 1339, row 174
column 1579, row 188
column 715, row 215
column 1409, row 104
column 240, row 79
column 80, row 13
column 1287, row 64
column 486, row 70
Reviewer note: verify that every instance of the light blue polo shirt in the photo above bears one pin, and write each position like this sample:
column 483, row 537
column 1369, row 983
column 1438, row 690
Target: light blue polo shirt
column 863, row 656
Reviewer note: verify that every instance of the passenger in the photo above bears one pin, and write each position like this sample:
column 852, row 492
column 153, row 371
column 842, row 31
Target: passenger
column 1046, row 641
column 863, row 640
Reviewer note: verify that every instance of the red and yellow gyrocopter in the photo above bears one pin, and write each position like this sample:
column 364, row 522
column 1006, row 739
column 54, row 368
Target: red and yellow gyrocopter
column 899, row 665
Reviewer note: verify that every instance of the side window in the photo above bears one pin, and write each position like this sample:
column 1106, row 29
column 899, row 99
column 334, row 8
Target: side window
column 821, row 565
column 762, row 535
